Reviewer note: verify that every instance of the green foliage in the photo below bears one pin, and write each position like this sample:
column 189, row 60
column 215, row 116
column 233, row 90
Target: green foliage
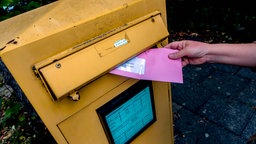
column 5, row 2
column 10, row 8
column 1, row 101
column 17, row 127
column 11, row 111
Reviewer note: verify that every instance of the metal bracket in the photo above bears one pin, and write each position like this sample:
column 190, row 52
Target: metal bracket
column 75, row 96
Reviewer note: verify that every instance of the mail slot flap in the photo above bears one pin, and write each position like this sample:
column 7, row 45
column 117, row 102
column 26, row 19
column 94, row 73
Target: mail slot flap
column 64, row 76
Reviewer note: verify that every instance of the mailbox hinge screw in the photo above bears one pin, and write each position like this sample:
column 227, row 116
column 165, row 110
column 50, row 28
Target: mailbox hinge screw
column 58, row 65
column 152, row 19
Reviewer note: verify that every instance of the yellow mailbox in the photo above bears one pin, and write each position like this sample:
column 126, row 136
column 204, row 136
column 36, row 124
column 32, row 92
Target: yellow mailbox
column 60, row 56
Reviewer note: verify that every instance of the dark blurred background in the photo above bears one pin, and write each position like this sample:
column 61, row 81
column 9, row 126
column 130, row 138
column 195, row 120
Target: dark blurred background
column 235, row 18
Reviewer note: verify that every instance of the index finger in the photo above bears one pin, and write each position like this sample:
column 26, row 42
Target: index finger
column 175, row 45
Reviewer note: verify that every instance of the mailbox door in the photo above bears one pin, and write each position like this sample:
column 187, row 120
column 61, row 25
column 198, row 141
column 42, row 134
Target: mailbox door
column 90, row 62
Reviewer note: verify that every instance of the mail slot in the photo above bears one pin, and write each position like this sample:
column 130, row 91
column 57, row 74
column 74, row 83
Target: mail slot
column 62, row 57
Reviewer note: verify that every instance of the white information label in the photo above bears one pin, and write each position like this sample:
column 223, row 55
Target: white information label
column 120, row 42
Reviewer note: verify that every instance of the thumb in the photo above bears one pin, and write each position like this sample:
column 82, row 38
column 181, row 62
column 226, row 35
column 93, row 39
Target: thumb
column 177, row 55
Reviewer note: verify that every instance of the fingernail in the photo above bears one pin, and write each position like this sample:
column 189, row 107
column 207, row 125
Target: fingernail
column 172, row 55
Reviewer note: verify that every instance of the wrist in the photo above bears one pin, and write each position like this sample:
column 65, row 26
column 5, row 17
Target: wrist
column 207, row 50
column 210, row 59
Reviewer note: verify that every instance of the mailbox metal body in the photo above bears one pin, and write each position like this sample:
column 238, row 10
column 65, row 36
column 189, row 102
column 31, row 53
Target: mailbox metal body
column 69, row 47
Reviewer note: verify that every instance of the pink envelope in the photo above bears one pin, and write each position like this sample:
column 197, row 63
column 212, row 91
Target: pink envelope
column 154, row 65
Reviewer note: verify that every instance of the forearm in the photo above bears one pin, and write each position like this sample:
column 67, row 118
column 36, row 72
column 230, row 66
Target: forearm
column 236, row 54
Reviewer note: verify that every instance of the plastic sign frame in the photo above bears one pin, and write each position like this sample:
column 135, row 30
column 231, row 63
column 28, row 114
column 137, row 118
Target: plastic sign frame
column 130, row 113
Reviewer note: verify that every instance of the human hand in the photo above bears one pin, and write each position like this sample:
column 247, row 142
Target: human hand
column 191, row 52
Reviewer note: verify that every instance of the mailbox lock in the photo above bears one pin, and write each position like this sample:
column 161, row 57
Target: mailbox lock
column 75, row 96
